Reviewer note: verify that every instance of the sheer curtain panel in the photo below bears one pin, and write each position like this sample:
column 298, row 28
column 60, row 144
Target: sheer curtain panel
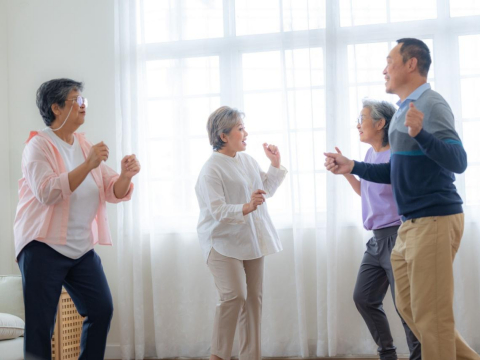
column 299, row 70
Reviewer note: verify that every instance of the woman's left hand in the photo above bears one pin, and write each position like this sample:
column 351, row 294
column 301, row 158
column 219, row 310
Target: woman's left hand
column 273, row 154
column 130, row 166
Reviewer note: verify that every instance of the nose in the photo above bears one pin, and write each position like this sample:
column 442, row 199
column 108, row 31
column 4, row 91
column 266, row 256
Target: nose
column 359, row 126
column 246, row 133
column 385, row 71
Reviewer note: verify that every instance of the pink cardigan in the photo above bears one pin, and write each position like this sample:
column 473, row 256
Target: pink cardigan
column 44, row 193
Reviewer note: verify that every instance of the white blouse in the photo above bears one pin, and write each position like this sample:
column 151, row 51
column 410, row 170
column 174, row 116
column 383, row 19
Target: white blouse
column 224, row 185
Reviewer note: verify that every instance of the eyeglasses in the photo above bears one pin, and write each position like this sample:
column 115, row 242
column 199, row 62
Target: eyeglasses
column 361, row 119
column 80, row 100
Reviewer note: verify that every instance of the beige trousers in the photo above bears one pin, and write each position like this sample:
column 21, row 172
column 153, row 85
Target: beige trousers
column 422, row 262
column 239, row 284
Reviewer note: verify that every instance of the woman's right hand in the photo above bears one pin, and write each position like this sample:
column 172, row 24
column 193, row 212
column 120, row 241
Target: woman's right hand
column 97, row 154
column 256, row 200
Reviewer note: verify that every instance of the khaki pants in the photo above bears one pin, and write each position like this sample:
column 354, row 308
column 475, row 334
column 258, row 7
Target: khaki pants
column 239, row 284
column 422, row 262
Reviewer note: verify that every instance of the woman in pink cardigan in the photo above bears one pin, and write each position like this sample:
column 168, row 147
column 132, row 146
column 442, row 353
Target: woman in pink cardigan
column 60, row 216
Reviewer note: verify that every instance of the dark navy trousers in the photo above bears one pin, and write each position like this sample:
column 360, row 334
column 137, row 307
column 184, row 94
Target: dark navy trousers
column 374, row 278
column 44, row 272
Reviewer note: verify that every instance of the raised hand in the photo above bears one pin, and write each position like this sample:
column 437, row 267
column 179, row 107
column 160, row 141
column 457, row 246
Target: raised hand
column 97, row 154
column 273, row 153
column 337, row 163
column 130, row 166
column 414, row 120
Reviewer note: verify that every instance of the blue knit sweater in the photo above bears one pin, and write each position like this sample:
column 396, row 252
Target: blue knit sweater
column 421, row 169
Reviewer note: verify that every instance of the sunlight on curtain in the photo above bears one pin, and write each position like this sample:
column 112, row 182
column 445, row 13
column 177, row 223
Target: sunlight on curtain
column 299, row 70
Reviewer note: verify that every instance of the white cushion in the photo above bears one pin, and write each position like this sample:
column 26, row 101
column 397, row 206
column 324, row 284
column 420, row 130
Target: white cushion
column 12, row 349
column 11, row 326
column 11, row 295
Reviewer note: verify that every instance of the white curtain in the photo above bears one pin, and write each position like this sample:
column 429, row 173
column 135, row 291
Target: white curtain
column 298, row 69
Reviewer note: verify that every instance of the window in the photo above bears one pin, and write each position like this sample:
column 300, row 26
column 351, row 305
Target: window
column 464, row 8
column 279, row 61
column 366, row 12
column 470, row 93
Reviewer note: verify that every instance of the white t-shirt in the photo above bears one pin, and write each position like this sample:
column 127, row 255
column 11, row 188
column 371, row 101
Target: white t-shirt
column 84, row 202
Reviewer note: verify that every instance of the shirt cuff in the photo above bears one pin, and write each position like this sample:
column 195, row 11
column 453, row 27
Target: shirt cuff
column 279, row 173
column 422, row 137
column 239, row 217
column 65, row 185
column 358, row 168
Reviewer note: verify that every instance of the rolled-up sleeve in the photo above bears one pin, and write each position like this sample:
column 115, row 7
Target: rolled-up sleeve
column 109, row 177
column 48, row 186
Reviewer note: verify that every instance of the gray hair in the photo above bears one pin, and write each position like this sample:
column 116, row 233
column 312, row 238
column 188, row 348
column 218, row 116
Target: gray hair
column 222, row 121
column 54, row 92
column 380, row 110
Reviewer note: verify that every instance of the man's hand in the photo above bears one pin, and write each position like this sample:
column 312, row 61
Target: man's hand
column 337, row 163
column 414, row 120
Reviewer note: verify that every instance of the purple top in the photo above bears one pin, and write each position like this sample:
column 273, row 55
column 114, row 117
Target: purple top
column 378, row 206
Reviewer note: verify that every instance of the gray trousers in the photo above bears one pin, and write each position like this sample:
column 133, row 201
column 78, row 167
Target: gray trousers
column 374, row 277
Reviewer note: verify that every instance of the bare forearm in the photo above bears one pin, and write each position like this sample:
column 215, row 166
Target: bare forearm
column 355, row 183
column 121, row 186
column 78, row 175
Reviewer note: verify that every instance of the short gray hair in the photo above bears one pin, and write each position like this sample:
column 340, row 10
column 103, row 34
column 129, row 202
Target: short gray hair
column 222, row 121
column 380, row 110
column 54, row 92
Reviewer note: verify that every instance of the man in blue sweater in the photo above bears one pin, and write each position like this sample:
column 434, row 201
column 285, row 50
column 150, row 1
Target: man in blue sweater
column 426, row 151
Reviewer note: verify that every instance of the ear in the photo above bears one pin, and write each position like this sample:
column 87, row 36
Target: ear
column 223, row 137
column 412, row 64
column 55, row 109
column 380, row 124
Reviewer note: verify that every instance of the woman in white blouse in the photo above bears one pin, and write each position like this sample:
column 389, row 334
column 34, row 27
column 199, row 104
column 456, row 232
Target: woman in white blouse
column 235, row 230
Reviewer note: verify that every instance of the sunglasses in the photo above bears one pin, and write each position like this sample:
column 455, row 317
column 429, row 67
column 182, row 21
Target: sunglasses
column 80, row 100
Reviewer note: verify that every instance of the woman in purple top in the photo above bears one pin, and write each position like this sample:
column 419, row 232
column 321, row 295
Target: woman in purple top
column 380, row 214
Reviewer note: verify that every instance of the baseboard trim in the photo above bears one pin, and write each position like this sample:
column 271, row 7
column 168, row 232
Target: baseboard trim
column 113, row 353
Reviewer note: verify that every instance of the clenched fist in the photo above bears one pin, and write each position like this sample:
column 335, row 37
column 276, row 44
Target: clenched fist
column 414, row 120
column 273, row 154
column 337, row 163
column 97, row 154
column 130, row 166
column 256, row 200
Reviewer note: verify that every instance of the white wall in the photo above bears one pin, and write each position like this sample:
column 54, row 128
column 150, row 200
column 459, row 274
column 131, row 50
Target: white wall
column 60, row 38
column 6, row 242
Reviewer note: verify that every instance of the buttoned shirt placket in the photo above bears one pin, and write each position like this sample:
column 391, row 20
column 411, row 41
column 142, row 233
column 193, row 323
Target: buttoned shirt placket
column 257, row 221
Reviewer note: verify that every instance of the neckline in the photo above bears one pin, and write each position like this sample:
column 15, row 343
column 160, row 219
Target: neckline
column 379, row 152
column 226, row 156
column 61, row 141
